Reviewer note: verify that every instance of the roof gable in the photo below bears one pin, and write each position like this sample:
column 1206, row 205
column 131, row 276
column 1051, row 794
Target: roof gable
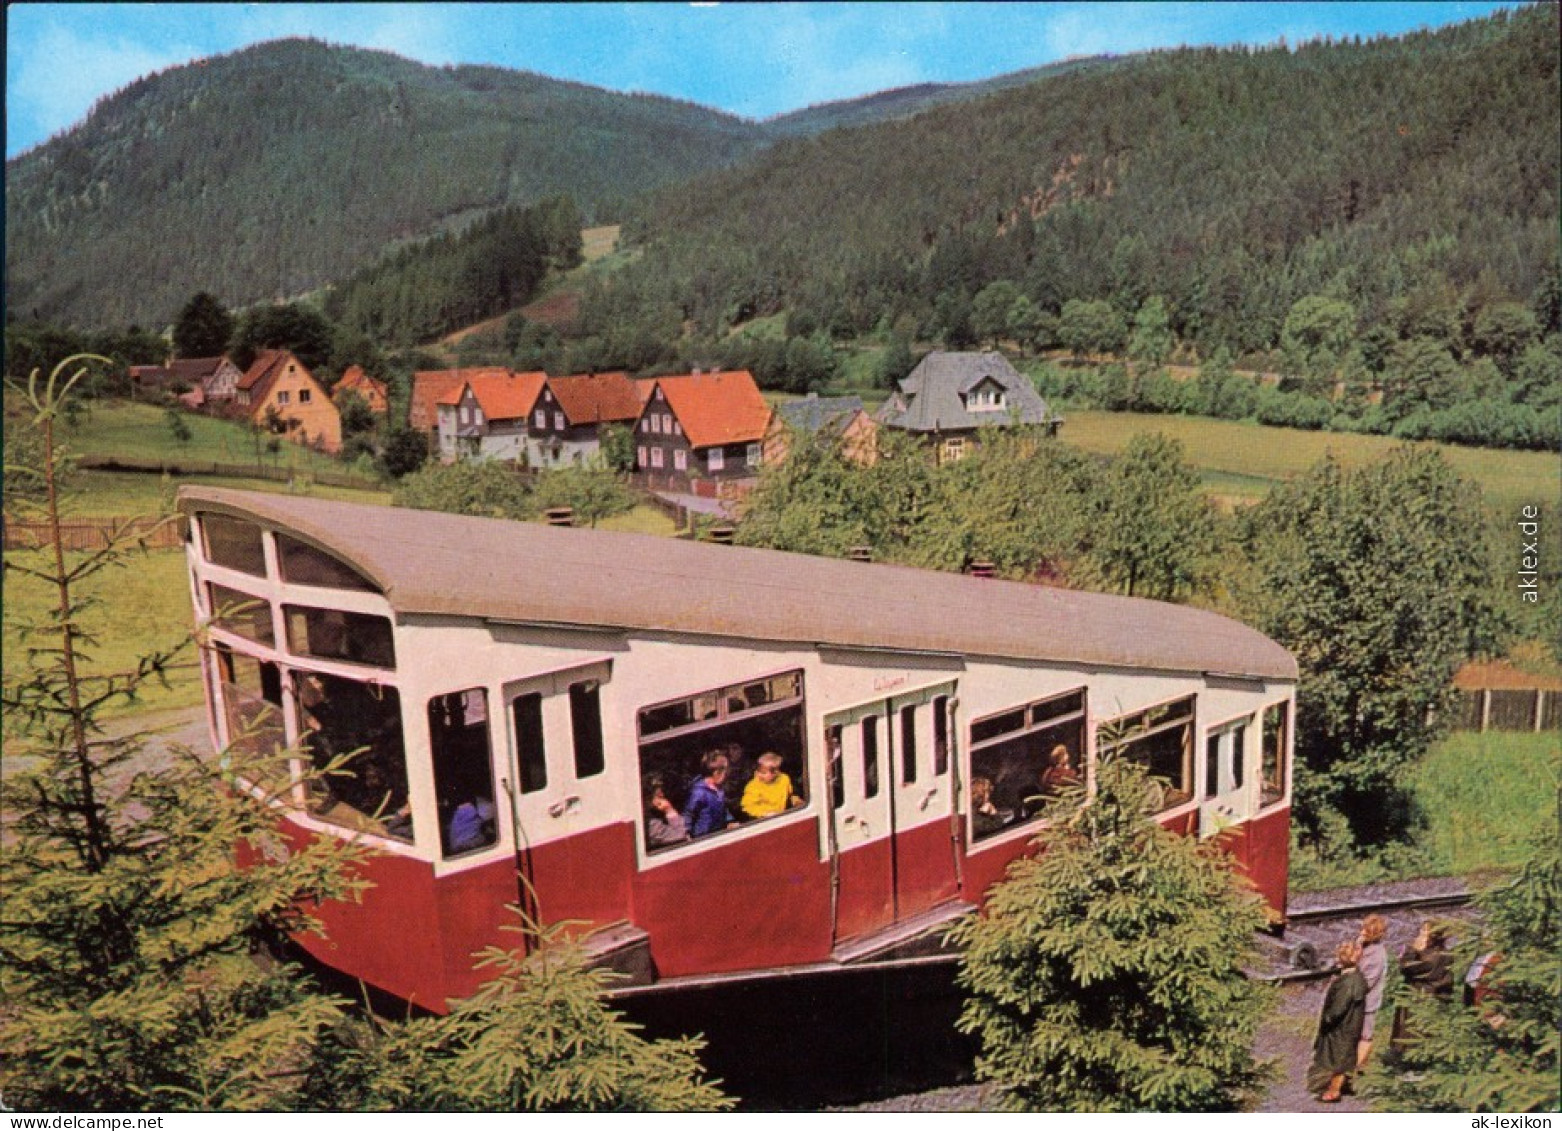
column 931, row 397
column 829, row 415
column 717, row 408
column 429, row 385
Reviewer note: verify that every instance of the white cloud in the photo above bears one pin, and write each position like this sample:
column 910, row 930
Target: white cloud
column 55, row 81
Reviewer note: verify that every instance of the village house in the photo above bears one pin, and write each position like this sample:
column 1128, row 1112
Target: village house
column 699, row 431
column 279, row 393
column 486, row 416
column 429, row 386
column 374, row 392
column 949, row 398
column 566, row 422
column 837, row 420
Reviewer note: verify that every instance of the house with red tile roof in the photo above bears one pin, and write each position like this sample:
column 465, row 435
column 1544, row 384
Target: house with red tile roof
column 565, row 426
column 486, row 415
column 374, row 392
column 279, row 393
column 428, row 386
column 704, row 426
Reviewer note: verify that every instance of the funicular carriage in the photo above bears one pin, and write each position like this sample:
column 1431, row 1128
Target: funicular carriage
column 514, row 689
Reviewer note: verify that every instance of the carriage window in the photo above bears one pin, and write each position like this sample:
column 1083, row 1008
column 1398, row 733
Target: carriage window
column 723, row 757
column 242, row 614
column 1272, row 771
column 908, row 745
column 531, row 753
column 234, row 544
column 1160, row 740
column 585, row 713
column 304, row 565
column 870, row 756
column 355, row 728
column 252, row 708
column 832, row 743
column 1022, row 757
column 335, row 634
column 463, row 771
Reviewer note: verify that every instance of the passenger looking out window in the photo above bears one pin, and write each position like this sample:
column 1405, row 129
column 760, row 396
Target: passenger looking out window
column 352, row 731
column 985, row 817
column 682, row 739
column 663, row 823
column 706, row 810
column 463, row 770
column 1025, row 755
column 769, row 791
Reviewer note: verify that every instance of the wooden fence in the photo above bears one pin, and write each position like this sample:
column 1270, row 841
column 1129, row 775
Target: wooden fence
column 94, row 533
column 1524, row 709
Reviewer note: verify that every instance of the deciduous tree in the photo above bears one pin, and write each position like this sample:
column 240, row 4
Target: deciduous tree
column 1375, row 579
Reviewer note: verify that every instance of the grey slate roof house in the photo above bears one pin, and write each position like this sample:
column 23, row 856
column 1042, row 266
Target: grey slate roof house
column 949, row 397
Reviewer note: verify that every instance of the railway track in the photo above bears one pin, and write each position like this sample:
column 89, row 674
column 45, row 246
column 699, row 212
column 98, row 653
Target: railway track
column 1318, row 921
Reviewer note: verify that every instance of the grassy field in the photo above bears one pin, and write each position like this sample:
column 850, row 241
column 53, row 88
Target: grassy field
column 140, row 431
column 1488, row 795
column 1245, row 460
column 146, row 605
column 1485, row 797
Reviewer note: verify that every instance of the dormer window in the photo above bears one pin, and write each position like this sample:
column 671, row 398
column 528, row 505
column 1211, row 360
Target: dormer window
column 988, row 398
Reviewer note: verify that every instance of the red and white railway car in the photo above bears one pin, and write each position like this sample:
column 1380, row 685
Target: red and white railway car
column 515, row 690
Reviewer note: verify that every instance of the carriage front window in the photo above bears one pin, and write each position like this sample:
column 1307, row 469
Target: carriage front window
column 302, row 564
column 335, row 634
column 352, row 732
column 722, row 758
column 241, row 614
column 233, row 544
column 1159, row 739
column 252, row 711
column 1021, row 758
column 463, row 771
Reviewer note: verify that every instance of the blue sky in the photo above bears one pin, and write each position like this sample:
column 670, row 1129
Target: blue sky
column 755, row 60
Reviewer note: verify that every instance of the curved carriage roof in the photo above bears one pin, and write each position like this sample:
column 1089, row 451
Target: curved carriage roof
column 441, row 564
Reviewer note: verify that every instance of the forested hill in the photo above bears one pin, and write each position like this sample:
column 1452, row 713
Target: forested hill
column 270, row 171
column 1416, row 179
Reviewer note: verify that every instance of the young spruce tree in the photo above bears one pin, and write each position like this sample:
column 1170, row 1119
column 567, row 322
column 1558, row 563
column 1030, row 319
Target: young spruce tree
column 1106, row 971
column 1502, row 1054
column 537, row 1037
column 128, row 976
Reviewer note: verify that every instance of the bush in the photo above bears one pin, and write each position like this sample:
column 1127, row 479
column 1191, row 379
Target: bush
column 1106, row 972
column 485, row 488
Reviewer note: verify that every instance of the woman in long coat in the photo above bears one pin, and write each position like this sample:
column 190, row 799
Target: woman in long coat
column 1339, row 1027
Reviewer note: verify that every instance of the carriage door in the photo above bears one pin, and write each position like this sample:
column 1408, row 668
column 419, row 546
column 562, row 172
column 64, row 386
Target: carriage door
column 891, row 803
column 1225, row 774
column 559, row 798
column 921, row 764
column 860, row 788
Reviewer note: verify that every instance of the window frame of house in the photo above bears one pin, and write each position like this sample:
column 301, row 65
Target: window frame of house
column 680, row 459
column 716, row 459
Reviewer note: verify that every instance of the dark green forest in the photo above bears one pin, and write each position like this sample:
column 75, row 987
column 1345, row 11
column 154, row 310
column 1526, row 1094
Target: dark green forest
column 269, row 172
column 1383, row 206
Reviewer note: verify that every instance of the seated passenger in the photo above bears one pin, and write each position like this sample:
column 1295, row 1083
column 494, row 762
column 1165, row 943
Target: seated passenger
column 985, row 817
column 1059, row 772
column 706, row 810
column 471, row 825
column 663, row 823
column 769, row 791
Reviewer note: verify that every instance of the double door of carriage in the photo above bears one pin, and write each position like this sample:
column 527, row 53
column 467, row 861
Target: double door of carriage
column 892, row 787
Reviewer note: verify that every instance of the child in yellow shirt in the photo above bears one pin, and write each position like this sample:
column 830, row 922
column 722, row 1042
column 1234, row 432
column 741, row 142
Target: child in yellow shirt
column 769, row 791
